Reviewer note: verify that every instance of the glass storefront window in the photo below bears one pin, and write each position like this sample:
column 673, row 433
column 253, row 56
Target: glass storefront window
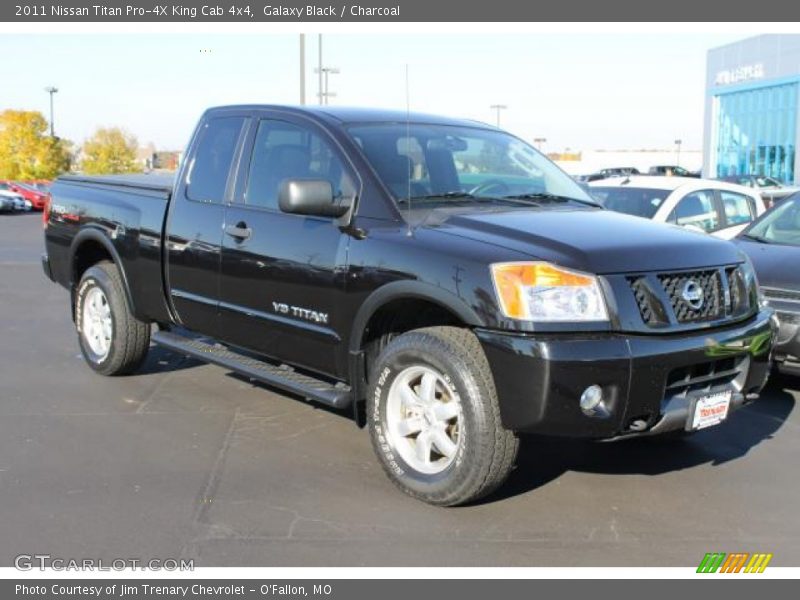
column 757, row 131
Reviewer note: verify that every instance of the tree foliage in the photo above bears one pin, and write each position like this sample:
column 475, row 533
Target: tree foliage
column 110, row 150
column 26, row 151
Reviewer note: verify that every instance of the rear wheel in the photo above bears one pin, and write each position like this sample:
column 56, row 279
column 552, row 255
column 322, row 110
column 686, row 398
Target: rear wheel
column 112, row 340
column 434, row 418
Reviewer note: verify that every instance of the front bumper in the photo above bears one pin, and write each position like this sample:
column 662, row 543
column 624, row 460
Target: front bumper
column 649, row 382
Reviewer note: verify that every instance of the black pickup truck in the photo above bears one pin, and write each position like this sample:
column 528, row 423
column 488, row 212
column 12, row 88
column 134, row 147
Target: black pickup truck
column 439, row 278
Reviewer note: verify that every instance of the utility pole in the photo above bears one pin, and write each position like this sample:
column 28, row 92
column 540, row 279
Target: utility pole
column 498, row 108
column 329, row 71
column 51, row 90
column 302, row 69
column 323, row 91
column 320, row 91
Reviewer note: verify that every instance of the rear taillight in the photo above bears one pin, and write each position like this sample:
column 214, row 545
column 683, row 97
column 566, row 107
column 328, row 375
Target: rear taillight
column 46, row 212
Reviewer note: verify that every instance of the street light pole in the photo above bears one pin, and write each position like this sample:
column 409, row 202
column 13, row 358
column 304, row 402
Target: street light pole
column 51, row 90
column 325, row 94
column 329, row 94
column 319, row 70
column 302, row 69
column 678, row 158
column 498, row 108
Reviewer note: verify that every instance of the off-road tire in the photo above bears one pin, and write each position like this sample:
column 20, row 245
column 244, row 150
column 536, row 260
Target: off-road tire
column 130, row 338
column 486, row 452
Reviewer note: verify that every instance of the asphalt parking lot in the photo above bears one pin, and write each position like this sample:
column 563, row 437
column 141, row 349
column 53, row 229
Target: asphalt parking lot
column 187, row 460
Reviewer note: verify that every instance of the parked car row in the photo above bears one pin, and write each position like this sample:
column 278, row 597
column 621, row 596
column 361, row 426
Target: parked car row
column 655, row 170
column 716, row 207
column 26, row 195
column 772, row 190
column 12, row 201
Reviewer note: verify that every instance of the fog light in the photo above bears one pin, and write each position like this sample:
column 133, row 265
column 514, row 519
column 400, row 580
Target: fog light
column 591, row 399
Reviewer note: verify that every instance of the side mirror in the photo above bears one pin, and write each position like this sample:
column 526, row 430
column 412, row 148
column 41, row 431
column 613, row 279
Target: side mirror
column 309, row 197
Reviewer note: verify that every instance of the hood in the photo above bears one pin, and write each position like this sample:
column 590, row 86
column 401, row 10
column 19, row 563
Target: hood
column 592, row 240
column 770, row 262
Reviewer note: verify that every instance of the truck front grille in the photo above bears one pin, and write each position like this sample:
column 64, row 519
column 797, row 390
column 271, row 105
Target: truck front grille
column 664, row 299
column 710, row 286
column 703, row 377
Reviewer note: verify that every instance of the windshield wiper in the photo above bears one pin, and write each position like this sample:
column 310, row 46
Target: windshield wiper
column 548, row 197
column 443, row 195
column 756, row 238
column 448, row 196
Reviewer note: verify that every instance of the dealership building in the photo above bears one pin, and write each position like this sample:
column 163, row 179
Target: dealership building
column 752, row 113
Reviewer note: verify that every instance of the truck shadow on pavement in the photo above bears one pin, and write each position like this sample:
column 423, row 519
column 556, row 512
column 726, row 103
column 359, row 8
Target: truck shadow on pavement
column 542, row 460
column 161, row 360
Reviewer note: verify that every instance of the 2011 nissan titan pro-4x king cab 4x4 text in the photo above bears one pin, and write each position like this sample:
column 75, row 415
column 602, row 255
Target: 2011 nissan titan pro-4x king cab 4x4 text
column 440, row 278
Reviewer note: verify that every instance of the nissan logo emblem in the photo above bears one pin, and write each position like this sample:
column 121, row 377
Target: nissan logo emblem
column 692, row 294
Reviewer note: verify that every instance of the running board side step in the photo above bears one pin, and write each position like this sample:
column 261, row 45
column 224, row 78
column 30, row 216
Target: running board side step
column 280, row 376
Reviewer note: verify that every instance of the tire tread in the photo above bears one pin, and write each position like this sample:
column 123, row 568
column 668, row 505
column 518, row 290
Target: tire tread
column 464, row 345
column 131, row 334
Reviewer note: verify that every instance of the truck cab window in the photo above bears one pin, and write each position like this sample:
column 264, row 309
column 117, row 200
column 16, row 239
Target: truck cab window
column 286, row 151
column 211, row 166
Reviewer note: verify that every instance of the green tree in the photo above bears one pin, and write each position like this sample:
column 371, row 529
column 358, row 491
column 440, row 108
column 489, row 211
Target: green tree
column 110, row 150
column 26, row 151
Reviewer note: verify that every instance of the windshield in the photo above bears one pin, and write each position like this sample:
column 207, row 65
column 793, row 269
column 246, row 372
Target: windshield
column 781, row 225
column 450, row 164
column 639, row 202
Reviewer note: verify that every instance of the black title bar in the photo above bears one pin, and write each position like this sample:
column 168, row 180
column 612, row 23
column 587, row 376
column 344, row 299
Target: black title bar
column 312, row 11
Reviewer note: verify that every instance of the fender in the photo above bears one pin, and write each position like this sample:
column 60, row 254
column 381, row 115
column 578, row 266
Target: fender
column 97, row 235
column 398, row 290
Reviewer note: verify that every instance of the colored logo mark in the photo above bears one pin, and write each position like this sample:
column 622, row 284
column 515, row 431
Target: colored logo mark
column 736, row 562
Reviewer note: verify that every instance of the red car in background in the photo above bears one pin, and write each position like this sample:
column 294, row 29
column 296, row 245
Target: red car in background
column 40, row 185
column 37, row 199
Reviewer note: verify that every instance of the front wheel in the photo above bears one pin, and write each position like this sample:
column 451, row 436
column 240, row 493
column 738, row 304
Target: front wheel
column 434, row 417
column 112, row 340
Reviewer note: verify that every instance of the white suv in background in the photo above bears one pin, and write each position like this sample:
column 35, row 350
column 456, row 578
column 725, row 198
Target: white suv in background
column 719, row 208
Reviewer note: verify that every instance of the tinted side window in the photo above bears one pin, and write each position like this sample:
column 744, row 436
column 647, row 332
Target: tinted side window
column 737, row 208
column 211, row 166
column 696, row 210
column 286, row 151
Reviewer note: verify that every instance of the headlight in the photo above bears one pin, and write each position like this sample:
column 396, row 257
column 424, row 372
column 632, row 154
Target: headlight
column 539, row 291
column 751, row 283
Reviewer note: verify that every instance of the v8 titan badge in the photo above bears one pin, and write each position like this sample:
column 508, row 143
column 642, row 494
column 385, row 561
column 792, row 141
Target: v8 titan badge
column 711, row 410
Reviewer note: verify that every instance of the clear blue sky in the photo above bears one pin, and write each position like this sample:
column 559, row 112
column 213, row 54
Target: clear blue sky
column 579, row 91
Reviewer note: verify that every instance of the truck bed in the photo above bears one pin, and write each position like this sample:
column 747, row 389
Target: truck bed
column 156, row 182
column 125, row 213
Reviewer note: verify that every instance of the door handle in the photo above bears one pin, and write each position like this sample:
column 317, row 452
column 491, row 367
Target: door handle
column 240, row 231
